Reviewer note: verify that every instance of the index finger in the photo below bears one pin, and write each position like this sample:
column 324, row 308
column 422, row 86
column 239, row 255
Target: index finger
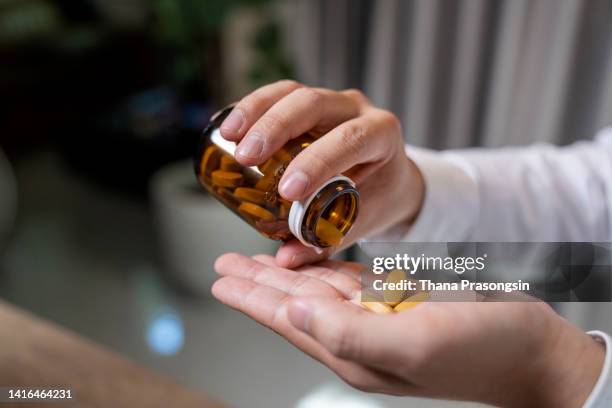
column 303, row 110
column 252, row 106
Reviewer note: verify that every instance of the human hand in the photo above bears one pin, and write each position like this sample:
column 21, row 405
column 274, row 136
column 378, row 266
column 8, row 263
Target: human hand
column 506, row 354
column 357, row 139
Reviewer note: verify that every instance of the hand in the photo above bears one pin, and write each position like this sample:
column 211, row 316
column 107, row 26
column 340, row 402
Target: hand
column 357, row 139
column 506, row 354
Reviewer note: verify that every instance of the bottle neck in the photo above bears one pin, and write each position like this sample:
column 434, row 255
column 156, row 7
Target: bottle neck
column 326, row 216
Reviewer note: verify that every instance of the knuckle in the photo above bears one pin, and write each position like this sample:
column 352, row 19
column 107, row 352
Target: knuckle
column 289, row 83
column 354, row 138
column 356, row 95
column 389, row 119
column 312, row 97
column 250, row 103
column 391, row 132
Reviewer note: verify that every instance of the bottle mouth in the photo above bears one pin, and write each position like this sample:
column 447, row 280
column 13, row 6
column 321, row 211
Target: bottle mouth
column 324, row 218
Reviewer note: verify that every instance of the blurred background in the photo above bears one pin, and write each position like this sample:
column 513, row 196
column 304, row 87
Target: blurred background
column 102, row 226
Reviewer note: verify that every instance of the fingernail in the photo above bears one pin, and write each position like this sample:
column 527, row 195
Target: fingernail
column 251, row 146
column 299, row 314
column 294, row 185
column 232, row 124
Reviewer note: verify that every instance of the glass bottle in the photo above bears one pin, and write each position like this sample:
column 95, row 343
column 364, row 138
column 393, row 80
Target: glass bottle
column 321, row 220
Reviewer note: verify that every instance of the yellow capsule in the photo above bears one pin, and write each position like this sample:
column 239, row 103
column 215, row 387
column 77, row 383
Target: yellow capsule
column 251, row 210
column 250, row 194
column 229, row 164
column 377, row 307
column 393, row 297
column 328, row 233
column 411, row 302
column 210, row 160
column 226, row 178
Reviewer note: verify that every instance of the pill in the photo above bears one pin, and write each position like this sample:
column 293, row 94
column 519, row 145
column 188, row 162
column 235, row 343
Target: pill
column 226, row 178
column 251, row 210
column 393, row 297
column 411, row 302
column 328, row 233
column 266, row 183
column 210, row 160
column 229, row 164
column 377, row 307
column 269, row 166
column 283, row 156
column 227, row 197
column 250, row 194
column 284, row 208
column 276, row 229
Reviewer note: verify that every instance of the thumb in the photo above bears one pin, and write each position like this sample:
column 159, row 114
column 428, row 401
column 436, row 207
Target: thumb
column 346, row 331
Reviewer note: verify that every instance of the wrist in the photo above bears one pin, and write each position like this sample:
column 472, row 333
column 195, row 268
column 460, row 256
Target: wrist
column 568, row 370
column 412, row 182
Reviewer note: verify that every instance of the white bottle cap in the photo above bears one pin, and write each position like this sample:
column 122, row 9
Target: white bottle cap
column 298, row 211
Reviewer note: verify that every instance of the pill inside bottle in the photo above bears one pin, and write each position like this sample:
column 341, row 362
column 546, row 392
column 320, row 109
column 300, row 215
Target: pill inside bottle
column 321, row 220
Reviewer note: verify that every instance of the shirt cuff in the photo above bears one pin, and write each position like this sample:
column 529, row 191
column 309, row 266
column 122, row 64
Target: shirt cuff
column 601, row 396
column 450, row 208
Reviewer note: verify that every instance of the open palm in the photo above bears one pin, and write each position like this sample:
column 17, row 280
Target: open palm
column 492, row 352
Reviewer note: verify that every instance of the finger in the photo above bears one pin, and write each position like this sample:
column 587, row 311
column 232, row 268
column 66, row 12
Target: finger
column 290, row 282
column 267, row 306
column 251, row 107
column 293, row 254
column 369, row 138
column 265, row 259
column 350, row 333
column 301, row 111
column 351, row 269
column 349, row 287
column 342, row 276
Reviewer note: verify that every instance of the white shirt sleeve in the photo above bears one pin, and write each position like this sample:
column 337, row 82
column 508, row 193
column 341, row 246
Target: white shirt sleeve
column 601, row 396
column 539, row 193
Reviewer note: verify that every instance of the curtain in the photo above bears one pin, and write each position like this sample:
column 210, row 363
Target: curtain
column 465, row 72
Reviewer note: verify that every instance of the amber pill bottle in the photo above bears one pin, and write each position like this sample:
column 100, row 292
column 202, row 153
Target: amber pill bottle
column 322, row 220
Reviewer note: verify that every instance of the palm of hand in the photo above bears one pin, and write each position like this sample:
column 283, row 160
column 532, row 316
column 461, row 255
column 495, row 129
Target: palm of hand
column 436, row 349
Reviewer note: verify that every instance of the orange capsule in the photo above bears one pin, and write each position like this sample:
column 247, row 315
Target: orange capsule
column 377, row 307
column 250, row 194
column 411, row 302
column 251, row 210
column 229, row 164
column 393, row 297
column 226, row 178
column 210, row 160
column 269, row 167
